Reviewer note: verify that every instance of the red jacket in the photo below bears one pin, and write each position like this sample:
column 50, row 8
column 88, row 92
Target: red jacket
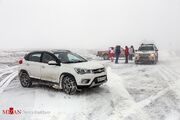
column 111, row 53
column 126, row 51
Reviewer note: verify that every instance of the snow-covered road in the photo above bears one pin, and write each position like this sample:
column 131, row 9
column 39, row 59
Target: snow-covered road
column 133, row 92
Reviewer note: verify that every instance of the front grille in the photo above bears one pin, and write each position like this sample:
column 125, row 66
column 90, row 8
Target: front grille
column 100, row 70
column 144, row 56
column 96, row 79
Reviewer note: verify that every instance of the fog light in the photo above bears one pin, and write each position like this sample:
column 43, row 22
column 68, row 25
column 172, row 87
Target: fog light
column 85, row 81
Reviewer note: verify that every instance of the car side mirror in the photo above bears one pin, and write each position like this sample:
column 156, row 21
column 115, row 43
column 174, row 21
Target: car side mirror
column 156, row 49
column 136, row 50
column 52, row 63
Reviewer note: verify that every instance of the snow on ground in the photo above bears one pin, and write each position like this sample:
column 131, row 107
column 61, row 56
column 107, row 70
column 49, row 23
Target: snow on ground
column 133, row 92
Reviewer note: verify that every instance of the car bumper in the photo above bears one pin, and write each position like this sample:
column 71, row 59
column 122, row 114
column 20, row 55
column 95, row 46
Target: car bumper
column 92, row 80
column 144, row 60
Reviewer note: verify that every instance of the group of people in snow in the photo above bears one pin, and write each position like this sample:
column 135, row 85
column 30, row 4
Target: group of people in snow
column 116, row 52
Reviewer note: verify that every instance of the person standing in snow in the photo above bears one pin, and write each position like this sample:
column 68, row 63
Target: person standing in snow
column 111, row 54
column 131, row 52
column 117, row 53
column 126, row 54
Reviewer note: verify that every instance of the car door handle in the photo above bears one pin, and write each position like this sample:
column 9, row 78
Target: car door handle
column 27, row 64
column 43, row 66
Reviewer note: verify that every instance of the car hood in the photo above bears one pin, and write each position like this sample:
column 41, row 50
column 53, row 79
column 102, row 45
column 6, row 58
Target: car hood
column 86, row 65
column 145, row 52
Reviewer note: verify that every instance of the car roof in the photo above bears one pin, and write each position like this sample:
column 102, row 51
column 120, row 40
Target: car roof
column 51, row 51
column 146, row 45
column 60, row 50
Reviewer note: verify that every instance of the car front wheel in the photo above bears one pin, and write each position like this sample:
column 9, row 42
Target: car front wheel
column 25, row 80
column 69, row 85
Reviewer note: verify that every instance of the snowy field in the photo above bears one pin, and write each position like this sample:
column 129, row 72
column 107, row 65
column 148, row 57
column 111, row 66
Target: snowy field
column 133, row 92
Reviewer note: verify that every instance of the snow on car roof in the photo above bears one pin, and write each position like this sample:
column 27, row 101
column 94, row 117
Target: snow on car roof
column 60, row 50
column 51, row 51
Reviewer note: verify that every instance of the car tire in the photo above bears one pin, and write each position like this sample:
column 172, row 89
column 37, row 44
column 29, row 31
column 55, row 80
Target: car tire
column 25, row 80
column 105, row 57
column 69, row 85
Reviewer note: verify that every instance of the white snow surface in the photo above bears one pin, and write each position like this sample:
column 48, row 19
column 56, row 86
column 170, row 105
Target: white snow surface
column 133, row 92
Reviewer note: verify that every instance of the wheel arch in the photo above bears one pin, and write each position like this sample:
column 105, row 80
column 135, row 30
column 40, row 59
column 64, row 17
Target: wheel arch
column 23, row 71
column 63, row 75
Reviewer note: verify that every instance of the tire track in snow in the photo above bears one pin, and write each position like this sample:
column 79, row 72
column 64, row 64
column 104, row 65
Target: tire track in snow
column 12, row 74
column 5, row 82
column 134, row 108
column 174, row 79
column 169, row 77
column 170, row 71
column 4, row 73
column 3, row 66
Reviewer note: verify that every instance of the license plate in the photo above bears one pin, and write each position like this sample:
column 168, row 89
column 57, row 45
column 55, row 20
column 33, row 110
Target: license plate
column 101, row 79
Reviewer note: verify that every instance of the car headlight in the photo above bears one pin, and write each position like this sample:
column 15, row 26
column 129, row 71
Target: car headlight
column 82, row 71
column 152, row 55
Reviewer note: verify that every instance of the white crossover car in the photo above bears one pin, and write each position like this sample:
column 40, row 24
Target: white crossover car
column 63, row 68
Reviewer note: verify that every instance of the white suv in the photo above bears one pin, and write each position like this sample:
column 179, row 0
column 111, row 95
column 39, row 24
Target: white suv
column 63, row 68
column 147, row 53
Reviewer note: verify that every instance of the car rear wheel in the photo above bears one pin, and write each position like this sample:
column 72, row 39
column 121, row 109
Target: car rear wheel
column 25, row 80
column 69, row 85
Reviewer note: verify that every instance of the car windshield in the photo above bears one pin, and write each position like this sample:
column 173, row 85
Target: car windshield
column 69, row 57
column 146, row 48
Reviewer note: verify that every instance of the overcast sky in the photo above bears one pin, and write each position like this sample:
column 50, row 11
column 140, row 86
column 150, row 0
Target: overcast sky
column 88, row 23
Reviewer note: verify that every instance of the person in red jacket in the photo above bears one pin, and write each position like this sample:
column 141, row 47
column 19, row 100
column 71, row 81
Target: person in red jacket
column 126, row 54
column 111, row 54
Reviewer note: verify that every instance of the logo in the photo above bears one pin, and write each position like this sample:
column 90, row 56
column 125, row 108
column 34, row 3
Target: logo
column 12, row 111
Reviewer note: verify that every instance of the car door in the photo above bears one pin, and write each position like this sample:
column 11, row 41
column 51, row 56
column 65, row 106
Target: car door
column 33, row 65
column 50, row 72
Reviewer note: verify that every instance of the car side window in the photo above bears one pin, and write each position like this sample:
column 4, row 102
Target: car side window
column 47, row 57
column 35, row 57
